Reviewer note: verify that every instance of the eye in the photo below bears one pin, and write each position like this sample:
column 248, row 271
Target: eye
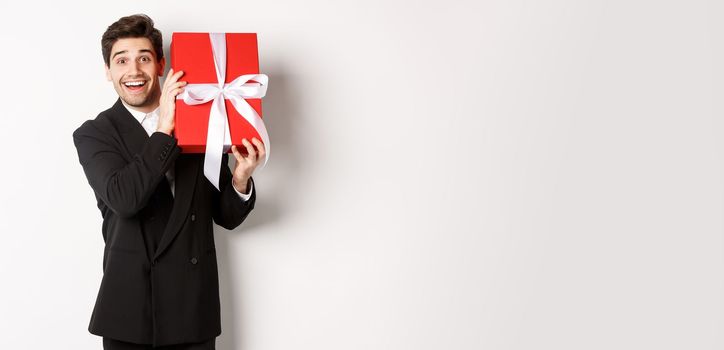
column 121, row 61
column 145, row 59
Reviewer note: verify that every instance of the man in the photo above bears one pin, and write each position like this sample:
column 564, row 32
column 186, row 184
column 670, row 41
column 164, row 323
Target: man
column 160, row 283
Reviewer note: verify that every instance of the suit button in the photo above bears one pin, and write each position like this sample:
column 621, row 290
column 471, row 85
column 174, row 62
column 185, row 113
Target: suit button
column 155, row 261
column 194, row 260
column 193, row 217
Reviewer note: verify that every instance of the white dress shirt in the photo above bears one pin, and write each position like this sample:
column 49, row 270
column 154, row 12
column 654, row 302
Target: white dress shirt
column 149, row 121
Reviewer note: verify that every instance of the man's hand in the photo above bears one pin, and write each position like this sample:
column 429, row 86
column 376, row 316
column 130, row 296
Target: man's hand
column 245, row 165
column 171, row 88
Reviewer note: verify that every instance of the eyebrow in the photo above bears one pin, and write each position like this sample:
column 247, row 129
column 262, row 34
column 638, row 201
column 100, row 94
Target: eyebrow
column 126, row 51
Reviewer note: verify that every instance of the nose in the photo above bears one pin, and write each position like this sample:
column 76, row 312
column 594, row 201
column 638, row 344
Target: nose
column 134, row 68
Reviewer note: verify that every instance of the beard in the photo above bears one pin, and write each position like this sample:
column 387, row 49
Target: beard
column 140, row 100
column 147, row 97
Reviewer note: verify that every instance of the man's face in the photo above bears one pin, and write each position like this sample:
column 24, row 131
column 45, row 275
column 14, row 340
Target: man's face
column 134, row 72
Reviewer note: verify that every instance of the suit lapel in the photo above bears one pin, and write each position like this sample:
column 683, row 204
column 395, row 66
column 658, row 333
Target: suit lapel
column 187, row 170
column 133, row 135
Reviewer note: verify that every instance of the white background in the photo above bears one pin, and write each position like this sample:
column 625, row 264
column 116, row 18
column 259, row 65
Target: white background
column 444, row 174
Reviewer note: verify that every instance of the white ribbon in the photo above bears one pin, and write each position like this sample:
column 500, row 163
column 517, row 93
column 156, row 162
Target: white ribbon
column 218, row 139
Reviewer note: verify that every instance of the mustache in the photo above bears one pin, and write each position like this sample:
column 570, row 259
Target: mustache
column 138, row 77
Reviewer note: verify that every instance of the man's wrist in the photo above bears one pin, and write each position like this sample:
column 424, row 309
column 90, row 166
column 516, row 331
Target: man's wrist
column 165, row 129
column 168, row 132
column 241, row 186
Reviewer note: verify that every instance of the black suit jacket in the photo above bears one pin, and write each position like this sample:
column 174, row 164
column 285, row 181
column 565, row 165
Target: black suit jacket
column 169, row 294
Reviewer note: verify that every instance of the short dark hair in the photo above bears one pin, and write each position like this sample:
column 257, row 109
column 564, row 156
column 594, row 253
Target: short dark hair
column 134, row 26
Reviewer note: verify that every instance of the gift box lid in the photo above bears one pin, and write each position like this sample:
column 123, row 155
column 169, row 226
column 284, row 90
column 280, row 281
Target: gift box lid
column 191, row 53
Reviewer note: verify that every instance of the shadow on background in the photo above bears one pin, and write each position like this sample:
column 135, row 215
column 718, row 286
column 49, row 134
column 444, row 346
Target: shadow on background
column 279, row 108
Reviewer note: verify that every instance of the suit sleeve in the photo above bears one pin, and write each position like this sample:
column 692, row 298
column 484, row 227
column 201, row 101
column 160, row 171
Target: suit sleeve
column 229, row 211
column 124, row 187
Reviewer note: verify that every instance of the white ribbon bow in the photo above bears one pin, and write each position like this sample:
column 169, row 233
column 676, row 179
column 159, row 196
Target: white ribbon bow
column 218, row 139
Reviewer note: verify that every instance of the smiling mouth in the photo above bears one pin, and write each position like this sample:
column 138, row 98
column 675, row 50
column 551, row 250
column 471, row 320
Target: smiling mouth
column 135, row 85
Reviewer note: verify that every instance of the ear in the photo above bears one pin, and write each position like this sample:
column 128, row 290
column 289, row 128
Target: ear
column 108, row 73
column 161, row 66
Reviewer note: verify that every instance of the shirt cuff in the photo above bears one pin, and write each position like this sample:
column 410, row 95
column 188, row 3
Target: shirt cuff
column 245, row 197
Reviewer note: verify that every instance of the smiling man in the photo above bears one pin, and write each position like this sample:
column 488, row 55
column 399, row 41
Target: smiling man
column 136, row 84
column 160, row 286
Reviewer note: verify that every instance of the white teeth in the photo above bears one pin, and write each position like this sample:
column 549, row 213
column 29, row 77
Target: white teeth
column 134, row 83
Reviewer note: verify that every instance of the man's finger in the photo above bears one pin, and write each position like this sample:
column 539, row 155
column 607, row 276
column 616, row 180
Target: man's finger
column 168, row 79
column 260, row 147
column 237, row 154
column 172, row 78
column 177, row 75
column 249, row 149
column 176, row 84
column 175, row 92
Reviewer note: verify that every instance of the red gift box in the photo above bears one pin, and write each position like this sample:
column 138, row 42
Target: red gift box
column 192, row 53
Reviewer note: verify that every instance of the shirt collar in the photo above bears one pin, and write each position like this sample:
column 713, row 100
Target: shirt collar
column 138, row 114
